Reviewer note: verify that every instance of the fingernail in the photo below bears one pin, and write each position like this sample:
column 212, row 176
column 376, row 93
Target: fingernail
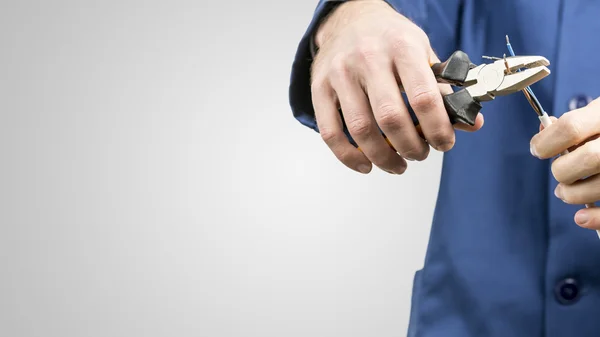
column 401, row 171
column 558, row 192
column 532, row 150
column 364, row 168
column 582, row 218
column 409, row 159
column 444, row 147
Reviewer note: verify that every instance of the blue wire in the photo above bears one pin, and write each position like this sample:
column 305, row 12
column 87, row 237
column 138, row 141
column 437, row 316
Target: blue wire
column 510, row 50
column 512, row 53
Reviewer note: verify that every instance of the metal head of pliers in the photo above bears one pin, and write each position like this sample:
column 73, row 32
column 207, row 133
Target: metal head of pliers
column 484, row 82
column 505, row 76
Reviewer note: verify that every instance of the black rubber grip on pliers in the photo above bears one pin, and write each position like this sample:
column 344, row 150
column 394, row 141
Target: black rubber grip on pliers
column 461, row 107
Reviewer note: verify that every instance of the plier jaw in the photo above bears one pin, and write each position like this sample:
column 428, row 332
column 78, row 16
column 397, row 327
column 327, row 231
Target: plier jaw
column 505, row 76
column 516, row 79
column 486, row 81
column 513, row 64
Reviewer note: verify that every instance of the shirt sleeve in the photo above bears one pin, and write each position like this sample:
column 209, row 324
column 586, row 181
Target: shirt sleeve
column 299, row 91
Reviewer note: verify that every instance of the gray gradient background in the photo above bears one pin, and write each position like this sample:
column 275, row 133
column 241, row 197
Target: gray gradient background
column 154, row 183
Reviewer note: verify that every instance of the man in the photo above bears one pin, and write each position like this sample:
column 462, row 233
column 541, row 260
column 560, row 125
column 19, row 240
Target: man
column 505, row 258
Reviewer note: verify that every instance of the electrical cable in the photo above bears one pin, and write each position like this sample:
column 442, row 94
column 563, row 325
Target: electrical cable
column 535, row 103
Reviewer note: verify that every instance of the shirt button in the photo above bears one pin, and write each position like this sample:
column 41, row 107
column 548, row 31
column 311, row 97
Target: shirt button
column 579, row 101
column 567, row 291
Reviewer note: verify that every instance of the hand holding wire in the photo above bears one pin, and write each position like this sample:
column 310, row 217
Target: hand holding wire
column 571, row 169
column 578, row 180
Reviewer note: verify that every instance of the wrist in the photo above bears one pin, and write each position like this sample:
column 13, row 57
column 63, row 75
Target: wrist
column 324, row 30
column 343, row 14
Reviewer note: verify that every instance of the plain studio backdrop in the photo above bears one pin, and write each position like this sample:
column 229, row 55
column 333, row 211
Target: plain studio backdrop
column 153, row 182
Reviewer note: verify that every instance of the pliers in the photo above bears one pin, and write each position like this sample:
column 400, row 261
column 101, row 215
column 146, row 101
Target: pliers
column 484, row 82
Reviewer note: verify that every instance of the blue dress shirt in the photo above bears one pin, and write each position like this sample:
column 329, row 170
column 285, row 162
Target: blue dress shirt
column 505, row 258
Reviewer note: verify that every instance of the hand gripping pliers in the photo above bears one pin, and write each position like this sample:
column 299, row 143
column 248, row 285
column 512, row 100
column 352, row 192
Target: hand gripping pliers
column 483, row 82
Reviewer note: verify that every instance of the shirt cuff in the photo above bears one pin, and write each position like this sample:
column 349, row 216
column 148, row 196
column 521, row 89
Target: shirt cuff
column 300, row 97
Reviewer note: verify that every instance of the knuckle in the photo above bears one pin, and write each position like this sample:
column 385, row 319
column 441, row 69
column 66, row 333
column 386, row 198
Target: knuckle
column 368, row 52
column 346, row 157
column 591, row 160
column 442, row 138
column 420, row 35
column 407, row 41
column 339, row 65
column 424, row 99
column 359, row 128
column 401, row 43
column 389, row 116
column 318, row 84
column 330, row 136
column 571, row 128
column 392, row 32
column 557, row 171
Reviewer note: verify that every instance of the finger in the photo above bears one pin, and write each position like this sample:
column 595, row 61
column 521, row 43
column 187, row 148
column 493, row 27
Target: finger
column 552, row 118
column 479, row 121
column 331, row 129
column 361, row 123
column 424, row 97
column 582, row 192
column 574, row 147
column 391, row 114
column 569, row 130
column 588, row 218
column 580, row 163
